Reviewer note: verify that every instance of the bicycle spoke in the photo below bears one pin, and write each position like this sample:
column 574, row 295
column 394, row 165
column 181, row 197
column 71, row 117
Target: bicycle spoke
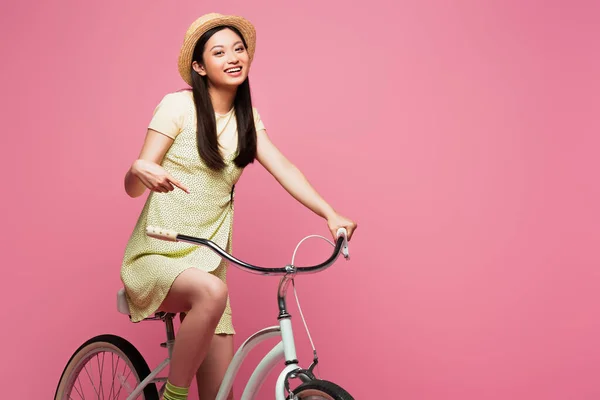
column 114, row 375
column 103, row 356
column 125, row 378
column 120, row 383
column 91, row 381
column 81, row 396
column 100, row 387
column 112, row 385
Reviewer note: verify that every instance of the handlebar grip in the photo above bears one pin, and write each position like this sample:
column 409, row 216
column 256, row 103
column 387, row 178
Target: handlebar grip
column 344, row 233
column 161, row 233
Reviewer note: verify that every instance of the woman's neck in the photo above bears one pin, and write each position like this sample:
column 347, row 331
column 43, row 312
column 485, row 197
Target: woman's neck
column 222, row 99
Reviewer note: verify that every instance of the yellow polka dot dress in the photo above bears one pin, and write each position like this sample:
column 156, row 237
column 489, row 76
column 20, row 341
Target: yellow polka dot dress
column 151, row 265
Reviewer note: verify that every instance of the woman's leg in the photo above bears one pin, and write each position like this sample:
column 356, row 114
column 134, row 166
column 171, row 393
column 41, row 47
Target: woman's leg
column 213, row 368
column 203, row 297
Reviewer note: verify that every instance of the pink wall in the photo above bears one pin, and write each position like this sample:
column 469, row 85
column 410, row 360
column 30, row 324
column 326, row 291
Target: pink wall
column 463, row 139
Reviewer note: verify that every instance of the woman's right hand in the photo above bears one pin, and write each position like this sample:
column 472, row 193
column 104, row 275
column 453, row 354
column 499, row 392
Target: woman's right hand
column 155, row 177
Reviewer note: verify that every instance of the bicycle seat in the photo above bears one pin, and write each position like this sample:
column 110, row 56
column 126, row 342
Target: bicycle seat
column 122, row 305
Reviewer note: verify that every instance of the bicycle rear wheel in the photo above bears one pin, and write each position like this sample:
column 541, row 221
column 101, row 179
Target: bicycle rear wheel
column 104, row 367
column 321, row 390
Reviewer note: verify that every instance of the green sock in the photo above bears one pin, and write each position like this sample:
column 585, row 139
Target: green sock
column 173, row 392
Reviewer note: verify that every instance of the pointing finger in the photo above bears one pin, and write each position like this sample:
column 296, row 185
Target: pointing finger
column 179, row 184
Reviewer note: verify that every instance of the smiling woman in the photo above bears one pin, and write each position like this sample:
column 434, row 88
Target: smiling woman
column 197, row 145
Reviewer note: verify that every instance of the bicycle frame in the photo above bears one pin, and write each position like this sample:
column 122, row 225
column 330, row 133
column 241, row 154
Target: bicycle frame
column 262, row 370
column 285, row 349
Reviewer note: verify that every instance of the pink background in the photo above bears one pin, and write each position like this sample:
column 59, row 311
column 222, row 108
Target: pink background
column 463, row 138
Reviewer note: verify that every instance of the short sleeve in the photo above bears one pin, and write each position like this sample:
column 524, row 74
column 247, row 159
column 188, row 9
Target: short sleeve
column 168, row 116
column 258, row 124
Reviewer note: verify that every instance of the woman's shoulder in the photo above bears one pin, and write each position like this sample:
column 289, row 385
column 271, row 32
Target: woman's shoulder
column 177, row 98
column 170, row 114
column 175, row 104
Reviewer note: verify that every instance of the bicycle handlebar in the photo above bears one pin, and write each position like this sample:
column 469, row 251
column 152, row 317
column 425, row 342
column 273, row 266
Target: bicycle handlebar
column 341, row 245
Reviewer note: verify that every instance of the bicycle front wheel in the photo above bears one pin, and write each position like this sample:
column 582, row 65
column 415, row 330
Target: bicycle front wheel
column 105, row 367
column 321, row 390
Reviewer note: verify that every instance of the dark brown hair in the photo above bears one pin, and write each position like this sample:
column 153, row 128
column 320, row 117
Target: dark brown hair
column 206, row 133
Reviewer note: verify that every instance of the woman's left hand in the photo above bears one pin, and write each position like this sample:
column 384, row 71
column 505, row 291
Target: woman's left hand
column 337, row 221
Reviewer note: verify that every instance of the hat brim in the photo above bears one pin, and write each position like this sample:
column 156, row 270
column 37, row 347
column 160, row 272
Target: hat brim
column 200, row 27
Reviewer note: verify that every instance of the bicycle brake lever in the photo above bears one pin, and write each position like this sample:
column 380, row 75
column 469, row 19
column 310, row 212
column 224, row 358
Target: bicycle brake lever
column 344, row 233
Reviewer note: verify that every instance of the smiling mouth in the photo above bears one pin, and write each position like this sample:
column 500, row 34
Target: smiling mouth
column 232, row 70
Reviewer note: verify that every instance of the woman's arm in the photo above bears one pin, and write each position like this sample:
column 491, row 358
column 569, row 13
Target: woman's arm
column 146, row 172
column 296, row 184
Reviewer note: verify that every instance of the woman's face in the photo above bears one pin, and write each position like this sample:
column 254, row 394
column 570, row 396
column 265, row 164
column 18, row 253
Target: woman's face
column 226, row 61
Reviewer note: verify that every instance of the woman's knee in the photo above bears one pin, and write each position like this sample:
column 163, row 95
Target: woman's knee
column 196, row 289
column 210, row 295
column 216, row 291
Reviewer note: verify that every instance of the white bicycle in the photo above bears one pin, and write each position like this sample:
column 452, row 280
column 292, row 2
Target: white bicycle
column 110, row 367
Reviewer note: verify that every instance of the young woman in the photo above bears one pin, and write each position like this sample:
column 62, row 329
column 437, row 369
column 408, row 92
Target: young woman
column 197, row 145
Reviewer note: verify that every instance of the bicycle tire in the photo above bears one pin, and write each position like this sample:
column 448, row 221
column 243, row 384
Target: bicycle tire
column 93, row 346
column 320, row 389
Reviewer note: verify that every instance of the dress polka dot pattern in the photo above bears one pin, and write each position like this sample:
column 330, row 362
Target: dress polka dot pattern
column 151, row 265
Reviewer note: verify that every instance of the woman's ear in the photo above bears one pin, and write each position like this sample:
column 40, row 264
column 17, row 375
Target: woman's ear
column 199, row 68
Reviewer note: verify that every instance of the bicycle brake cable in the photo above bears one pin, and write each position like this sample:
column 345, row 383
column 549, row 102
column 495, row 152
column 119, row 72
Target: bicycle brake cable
column 315, row 360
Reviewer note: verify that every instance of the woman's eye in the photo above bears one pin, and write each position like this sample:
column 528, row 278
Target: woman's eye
column 240, row 49
column 218, row 53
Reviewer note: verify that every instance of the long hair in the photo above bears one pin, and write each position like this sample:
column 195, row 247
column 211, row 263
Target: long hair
column 206, row 130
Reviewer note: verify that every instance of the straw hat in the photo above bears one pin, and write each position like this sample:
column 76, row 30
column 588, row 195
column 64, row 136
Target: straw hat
column 205, row 23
